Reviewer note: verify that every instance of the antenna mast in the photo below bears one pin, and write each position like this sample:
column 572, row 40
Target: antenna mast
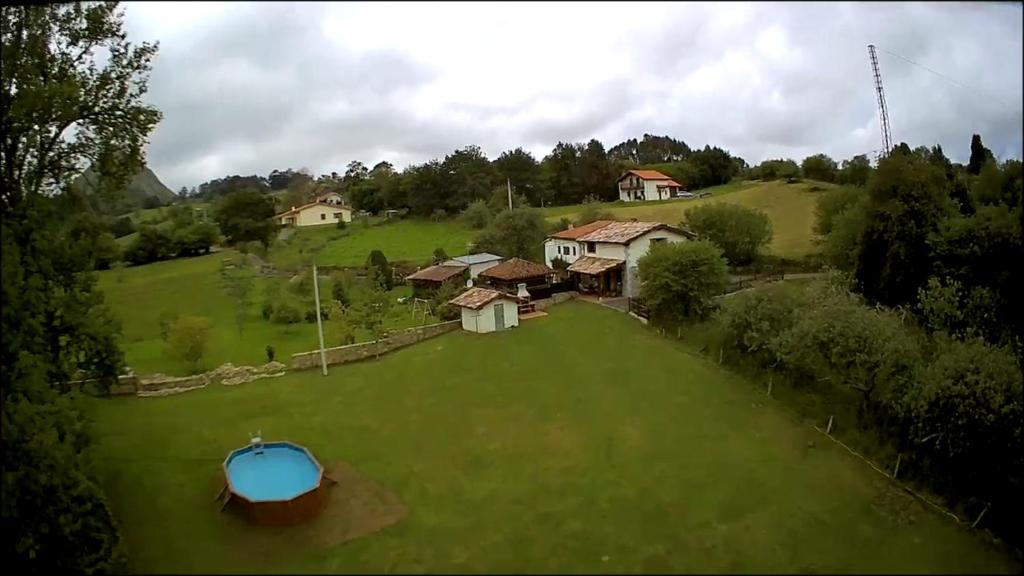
column 883, row 111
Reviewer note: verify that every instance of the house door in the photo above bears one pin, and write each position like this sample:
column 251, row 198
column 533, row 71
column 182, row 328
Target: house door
column 499, row 316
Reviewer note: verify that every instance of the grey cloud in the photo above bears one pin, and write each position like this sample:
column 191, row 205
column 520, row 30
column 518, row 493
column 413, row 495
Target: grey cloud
column 261, row 88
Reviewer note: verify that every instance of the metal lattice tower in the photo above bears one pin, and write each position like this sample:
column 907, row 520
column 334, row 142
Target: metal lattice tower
column 883, row 111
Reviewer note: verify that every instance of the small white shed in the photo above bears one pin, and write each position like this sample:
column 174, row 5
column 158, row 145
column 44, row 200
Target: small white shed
column 486, row 310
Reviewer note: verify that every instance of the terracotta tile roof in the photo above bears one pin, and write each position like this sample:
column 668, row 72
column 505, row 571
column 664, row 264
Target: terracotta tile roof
column 438, row 273
column 669, row 183
column 298, row 209
column 646, row 174
column 593, row 265
column 516, row 269
column 477, row 298
column 574, row 233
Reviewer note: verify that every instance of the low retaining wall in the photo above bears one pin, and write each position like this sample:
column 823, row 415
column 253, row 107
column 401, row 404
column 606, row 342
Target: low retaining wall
column 356, row 352
column 554, row 299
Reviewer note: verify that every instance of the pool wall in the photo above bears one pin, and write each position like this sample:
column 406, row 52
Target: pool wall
column 278, row 512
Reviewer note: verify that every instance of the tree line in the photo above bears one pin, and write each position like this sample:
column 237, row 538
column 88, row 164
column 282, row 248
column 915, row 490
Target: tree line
column 915, row 338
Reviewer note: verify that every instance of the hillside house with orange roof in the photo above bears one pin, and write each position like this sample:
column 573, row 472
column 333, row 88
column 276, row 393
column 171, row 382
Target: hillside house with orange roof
column 641, row 185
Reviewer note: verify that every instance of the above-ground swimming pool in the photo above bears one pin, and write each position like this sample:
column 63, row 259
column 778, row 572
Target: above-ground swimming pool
column 275, row 483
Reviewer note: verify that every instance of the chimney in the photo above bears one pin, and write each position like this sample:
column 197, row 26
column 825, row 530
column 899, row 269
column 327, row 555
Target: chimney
column 293, row 207
column 571, row 226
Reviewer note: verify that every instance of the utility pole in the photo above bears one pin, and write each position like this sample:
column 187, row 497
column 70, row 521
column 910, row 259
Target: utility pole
column 319, row 322
column 508, row 181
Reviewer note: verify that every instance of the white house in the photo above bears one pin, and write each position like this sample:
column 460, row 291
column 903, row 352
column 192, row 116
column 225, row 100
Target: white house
column 640, row 185
column 563, row 244
column 477, row 262
column 333, row 198
column 314, row 214
column 603, row 258
column 486, row 310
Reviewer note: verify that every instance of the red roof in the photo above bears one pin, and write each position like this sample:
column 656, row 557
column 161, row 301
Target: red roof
column 646, row 174
column 669, row 183
column 574, row 233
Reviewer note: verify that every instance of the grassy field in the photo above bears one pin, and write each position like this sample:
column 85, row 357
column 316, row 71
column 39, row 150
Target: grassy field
column 192, row 286
column 789, row 206
column 411, row 240
column 579, row 442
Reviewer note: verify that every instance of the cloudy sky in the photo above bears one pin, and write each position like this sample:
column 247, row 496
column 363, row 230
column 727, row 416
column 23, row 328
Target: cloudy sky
column 249, row 87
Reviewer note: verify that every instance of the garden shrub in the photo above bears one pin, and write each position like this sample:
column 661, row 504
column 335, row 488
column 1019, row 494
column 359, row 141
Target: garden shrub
column 285, row 313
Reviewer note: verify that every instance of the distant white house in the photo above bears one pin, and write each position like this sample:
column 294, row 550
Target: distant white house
column 477, row 262
column 603, row 255
column 641, row 185
column 333, row 198
column 314, row 214
column 485, row 310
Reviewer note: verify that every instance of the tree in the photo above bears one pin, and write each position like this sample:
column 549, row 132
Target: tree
column 338, row 291
column 776, row 170
column 831, row 204
column 679, row 281
column 470, row 176
column 152, row 244
column 186, row 341
column 855, row 171
column 238, row 284
column 738, row 230
column 842, row 245
column 194, row 238
column 819, row 167
column 523, row 171
column 561, row 174
column 650, row 150
column 246, row 215
column 380, row 270
column 979, row 155
column 477, row 215
column 370, row 312
column 907, row 199
column 440, row 255
column 596, row 175
column 515, row 233
column 498, row 200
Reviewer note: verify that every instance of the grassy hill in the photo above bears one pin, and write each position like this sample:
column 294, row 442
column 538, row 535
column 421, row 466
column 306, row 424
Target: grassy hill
column 790, row 207
column 142, row 186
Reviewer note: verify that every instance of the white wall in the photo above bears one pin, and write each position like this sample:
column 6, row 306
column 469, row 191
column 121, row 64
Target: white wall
column 552, row 245
column 482, row 320
column 311, row 215
column 636, row 250
column 605, row 250
column 476, row 269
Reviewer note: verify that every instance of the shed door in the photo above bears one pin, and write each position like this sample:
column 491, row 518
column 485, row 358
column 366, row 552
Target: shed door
column 499, row 316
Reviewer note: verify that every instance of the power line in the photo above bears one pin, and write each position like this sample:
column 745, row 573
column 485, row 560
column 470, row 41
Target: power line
column 945, row 77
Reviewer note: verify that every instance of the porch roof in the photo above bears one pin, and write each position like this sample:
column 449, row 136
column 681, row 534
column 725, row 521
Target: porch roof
column 593, row 265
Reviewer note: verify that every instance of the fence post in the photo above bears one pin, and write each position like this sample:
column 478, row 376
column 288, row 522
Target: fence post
column 720, row 355
column 829, row 429
column 770, row 378
column 896, row 472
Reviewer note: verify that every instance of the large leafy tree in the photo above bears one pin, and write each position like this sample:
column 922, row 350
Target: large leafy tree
column 819, row 167
column 979, row 155
column 246, row 216
column 514, row 233
column 561, row 173
column 679, row 281
column 72, row 88
column 522, row 170
column 907, row 200
column 855, row 171
column 740, row 231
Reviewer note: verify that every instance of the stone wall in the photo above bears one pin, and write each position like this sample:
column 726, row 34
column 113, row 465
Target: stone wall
column 554, row 299
column 356, row 352
column 227, row 374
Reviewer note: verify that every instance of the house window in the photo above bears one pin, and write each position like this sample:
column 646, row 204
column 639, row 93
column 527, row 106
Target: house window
column 323, row 216
column 591, row 247
column 573, row 250
column 657, row 240
column 337, row 215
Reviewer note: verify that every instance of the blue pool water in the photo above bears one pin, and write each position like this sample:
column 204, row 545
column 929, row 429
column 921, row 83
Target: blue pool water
column 281, row 472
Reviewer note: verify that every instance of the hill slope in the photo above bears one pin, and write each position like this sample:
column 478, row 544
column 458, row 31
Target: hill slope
column 142, row 185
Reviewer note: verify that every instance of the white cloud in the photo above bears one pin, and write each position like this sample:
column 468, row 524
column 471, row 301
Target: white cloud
column 246, row 88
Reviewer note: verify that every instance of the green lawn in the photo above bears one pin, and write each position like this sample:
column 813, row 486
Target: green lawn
column 192, row 286
column 789, row 206
column 579, row 442
column 410, row 240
